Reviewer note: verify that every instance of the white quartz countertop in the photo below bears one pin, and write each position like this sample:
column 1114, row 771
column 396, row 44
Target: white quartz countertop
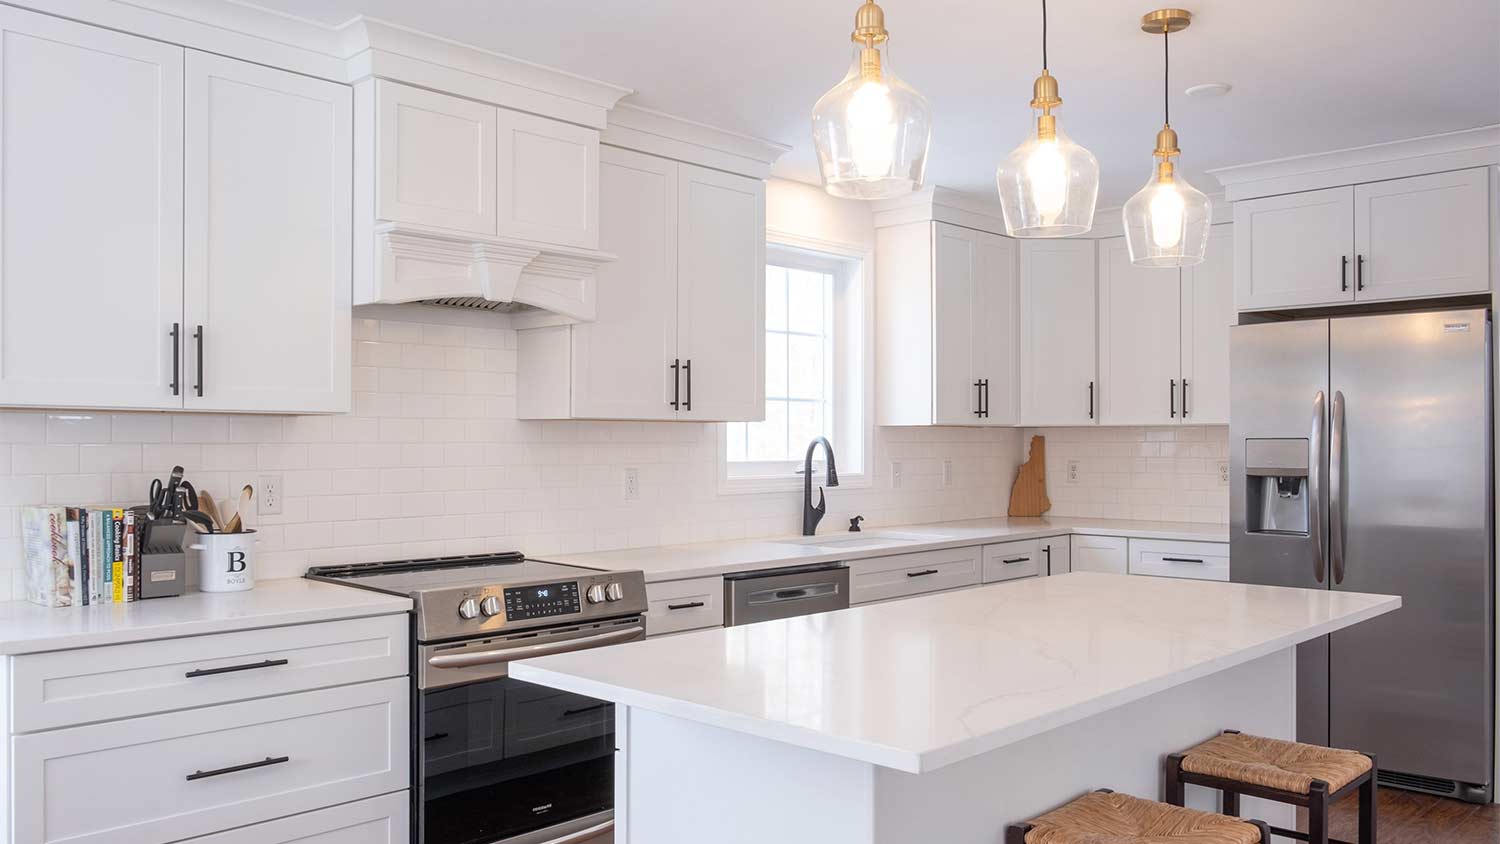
column 924, row 682
column 28, row 628
column 707, row 559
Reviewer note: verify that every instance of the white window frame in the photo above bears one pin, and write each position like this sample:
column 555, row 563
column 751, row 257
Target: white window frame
column 853, row 335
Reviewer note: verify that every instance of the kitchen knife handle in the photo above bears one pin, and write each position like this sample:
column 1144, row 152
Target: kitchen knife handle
column 1336, row 489
column 1315, row 487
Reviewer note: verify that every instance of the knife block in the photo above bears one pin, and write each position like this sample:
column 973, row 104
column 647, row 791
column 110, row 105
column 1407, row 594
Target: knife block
column 164, row 557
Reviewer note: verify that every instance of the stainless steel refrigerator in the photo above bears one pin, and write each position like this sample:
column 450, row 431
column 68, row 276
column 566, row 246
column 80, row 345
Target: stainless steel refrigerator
column 1360, row 460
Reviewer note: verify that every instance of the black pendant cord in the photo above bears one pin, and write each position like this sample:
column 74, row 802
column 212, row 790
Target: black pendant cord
column 1166, row 78
column 1044, row 34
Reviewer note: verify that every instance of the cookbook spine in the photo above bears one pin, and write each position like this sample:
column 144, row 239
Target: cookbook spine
column 117, row 554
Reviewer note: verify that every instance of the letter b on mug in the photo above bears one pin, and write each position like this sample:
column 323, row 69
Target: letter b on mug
column 236, row 562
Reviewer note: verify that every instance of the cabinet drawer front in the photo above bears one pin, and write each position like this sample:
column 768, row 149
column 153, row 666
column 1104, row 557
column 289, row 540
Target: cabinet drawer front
column 1194, row 560
column 678, row 605
column 168, row 777
column 141, row 678
column 1012, row 561
column 882, row 578
column 379, row 820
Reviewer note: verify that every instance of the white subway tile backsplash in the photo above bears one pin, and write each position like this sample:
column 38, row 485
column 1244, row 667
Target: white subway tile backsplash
column 1168, row 473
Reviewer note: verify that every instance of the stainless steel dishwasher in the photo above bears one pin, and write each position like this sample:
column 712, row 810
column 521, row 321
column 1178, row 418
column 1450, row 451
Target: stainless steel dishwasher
column 783, row 593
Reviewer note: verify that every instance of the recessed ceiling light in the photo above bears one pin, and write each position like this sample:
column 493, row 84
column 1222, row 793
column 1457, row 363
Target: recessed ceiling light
column 1211, row 89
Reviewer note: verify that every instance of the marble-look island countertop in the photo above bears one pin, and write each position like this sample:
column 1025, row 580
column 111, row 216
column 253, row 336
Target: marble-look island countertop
column 921, row 683
column 708, row 559
column 28, row 628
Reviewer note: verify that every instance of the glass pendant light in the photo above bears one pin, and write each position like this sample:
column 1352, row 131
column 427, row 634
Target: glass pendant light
column 1049, row 184
column 1166, row 223
column 872, row 129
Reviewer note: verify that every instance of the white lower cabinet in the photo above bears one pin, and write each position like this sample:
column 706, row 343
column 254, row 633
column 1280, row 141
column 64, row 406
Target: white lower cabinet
column 173, row 776
column 1100, row 553
column 1170, row 558
column 1057, row 556
column 903, row 575
column 676, row 605
column 378, row 820
column 1012, row 561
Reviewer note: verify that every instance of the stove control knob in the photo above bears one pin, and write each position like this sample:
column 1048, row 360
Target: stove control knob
column 468, row 609
column 490, row 606
column 596, row 594
column 615, row 592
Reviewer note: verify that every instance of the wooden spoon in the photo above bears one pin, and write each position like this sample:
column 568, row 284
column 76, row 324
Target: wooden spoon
column 207, row 505
column 237, row 522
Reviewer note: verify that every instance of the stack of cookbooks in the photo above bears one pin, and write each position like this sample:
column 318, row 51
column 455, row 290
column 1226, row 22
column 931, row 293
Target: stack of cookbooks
column 76, row 556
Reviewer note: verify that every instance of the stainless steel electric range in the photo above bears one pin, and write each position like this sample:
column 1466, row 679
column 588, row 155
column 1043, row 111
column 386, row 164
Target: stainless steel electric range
column 496, row 760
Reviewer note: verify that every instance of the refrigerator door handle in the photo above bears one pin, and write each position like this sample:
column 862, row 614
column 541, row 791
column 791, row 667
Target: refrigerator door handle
column 1336, row 489
column 1315, row 486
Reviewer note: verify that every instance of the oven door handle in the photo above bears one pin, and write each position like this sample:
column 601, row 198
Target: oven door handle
column 583, row 835
column 490, row 657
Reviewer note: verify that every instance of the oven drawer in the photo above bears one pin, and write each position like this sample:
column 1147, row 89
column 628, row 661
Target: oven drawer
column 1167, row 558
column 64, row 688
column 538, row 718
column 169, row 777
column 379, row 820
column 678, row 605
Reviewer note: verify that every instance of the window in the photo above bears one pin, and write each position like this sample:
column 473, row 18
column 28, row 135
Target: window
column 816, row 320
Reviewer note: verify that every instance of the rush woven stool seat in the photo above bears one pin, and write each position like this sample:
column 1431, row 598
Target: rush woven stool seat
column 1304, row 775
column 1104, row 817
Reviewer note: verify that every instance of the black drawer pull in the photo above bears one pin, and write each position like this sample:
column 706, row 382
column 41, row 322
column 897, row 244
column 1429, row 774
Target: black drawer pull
column 1181, row 560
column 230, row 669
column 1015, row 560
column 691, row 605
column 234, row 769
column 436, row 737
column 921, row 573
column 579, row 711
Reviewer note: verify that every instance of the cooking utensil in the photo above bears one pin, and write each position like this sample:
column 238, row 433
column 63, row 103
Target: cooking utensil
column 207, row 505
column 236, row 523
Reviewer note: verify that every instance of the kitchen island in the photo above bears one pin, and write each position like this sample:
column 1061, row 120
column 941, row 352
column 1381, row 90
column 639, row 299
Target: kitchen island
column 946, row 717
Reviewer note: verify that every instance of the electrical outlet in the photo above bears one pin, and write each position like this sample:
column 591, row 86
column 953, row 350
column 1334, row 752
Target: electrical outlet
column 1223, row 473
column 947, row 473
column 895, row 474
column 632, row 484
column 1073, row 472
column 268, row 495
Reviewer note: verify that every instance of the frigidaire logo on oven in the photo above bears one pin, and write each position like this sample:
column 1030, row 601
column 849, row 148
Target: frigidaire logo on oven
column 542, row 809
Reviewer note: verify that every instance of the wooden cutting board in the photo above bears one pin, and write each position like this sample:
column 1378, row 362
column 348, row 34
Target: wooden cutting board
column 1029, row 495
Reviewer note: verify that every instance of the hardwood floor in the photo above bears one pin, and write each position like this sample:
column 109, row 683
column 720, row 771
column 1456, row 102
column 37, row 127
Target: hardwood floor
column 1407, row 818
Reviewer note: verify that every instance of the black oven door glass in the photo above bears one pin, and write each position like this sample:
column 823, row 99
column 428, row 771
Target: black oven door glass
column 502, row 758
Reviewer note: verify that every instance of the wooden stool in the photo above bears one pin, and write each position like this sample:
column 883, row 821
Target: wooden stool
column 1304, row 775
column 1121, row 819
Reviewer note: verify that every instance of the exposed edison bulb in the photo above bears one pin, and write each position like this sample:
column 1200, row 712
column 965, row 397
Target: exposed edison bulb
column 872, row 129
column 1167, row 209
column 1047, row 171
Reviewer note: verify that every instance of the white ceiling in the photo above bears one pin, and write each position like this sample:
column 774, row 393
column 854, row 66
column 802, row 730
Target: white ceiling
column 1308, row 76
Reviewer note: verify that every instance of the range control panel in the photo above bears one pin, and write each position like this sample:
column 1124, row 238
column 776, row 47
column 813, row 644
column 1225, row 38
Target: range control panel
column 542, row 601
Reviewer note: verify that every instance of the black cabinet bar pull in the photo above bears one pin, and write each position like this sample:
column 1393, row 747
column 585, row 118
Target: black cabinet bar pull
column 234, row 769
column 986, row 398
column 1015, row 560
column 1359, row 272
column 676, row 368
column 979, row 398
column 198, row 335
column 436, row 737
column 1180, row 560
column 579, row 711
column 921, row 573
column 1091, row 399
column 230, row 669
column 1344, row 273
column 1172, row 396
column 176, row 358
column 1047, row 549
column 690, row 605
column 687, row 368
column 1184, row 398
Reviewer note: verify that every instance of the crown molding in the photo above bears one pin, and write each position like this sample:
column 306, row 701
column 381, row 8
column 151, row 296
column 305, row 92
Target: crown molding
column 943, row 205
column 1477, row 147
column 644, row 130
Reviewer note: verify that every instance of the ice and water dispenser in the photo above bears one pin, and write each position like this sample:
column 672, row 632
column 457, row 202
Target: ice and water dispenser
column 1277, row 498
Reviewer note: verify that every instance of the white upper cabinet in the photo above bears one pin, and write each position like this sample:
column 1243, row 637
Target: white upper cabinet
column 90, row 215
column 947, row 310
column 436, row 159
column 269, row 210
column 1422, row 236
column 1058, row 383
column 680, row 326
column 1207, row 314
column 1294, row 250
column 1139, row 340
column 548, row 180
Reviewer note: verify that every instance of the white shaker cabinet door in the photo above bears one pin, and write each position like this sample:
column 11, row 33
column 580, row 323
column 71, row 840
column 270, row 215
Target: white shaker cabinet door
column 436, row 158
column 269, row 199
column 993, row 317
column 721, row 299
column 1293, row 250
column 1207, row 314
column 1139, row 340
column 621, row 360
column 955, row 268
column 1058, row 382
column 1423, row 236
column 548, row 174
column 1106, row 554
column 90, row 215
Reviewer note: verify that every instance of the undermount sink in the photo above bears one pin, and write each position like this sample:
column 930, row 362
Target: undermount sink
column 866, row 539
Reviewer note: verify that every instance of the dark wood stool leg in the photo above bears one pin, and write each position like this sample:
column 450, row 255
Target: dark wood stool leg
column 1175, row 792
column 1016, row 833
column 1317, row 813
column 1265, row 831
column 1232, row 804
column 1368, row 803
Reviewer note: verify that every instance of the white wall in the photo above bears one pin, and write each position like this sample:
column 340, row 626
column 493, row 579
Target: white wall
column 1169, row 473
